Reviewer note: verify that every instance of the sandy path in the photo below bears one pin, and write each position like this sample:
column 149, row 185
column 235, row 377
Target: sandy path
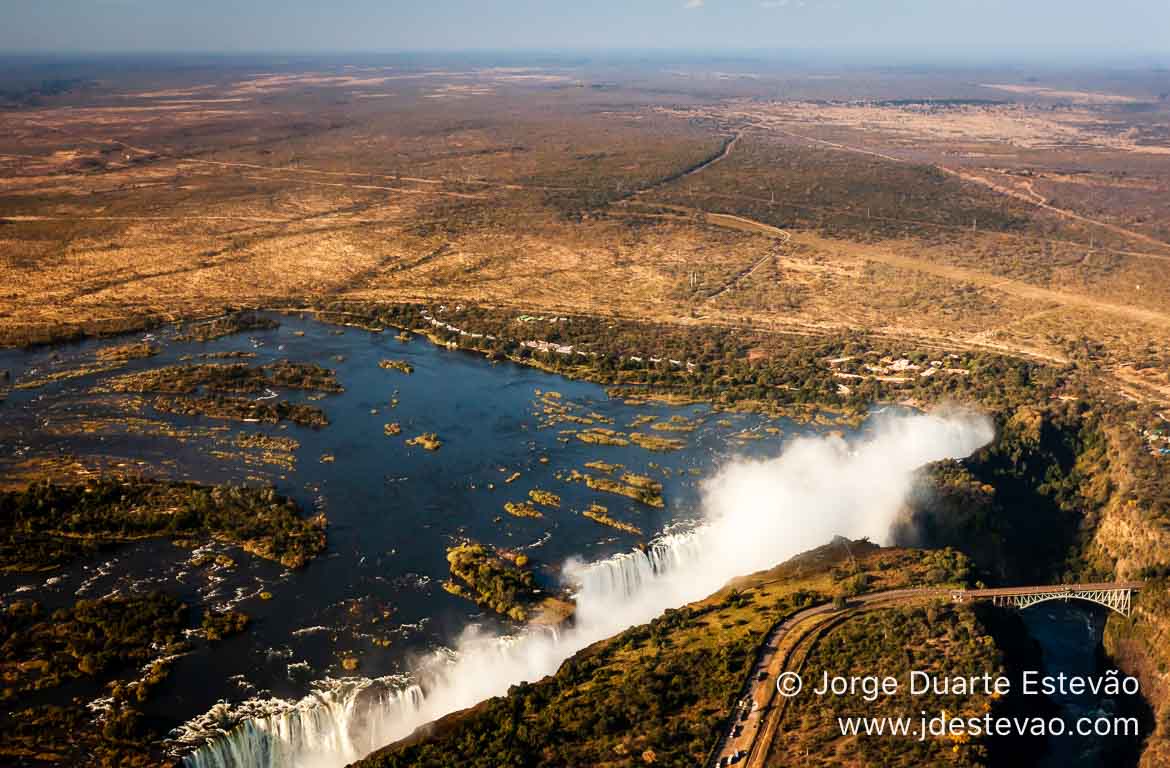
column 1040, row 202
column 1012, row 287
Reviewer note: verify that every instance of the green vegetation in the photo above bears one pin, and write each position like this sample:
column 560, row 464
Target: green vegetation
column 396, row 365
column 221, row 624
column 792, row 375
column 1021, row 508
column 547, row 498
column 427, row 440
column 600, row 514
column 662, row 690
column 122, row 643
column 522, row 509
column 637, row 487
column 122, row 353
column 243, row 409
column 941, row 639
column 235, row 322
column 67, row 374
column 1067, row 493
column 675, row 423
column 482, row 575
column 602, row 466
column 43, row 525
column 656, row 443
column 227, row 377
column 602, row 436
column 44, row 650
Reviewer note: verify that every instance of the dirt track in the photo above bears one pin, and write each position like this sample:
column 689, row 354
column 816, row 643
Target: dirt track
column 1013, row 287
column 1032, row 199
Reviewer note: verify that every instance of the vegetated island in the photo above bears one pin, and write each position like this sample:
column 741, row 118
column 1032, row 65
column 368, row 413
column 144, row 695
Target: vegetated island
column 105, row 359
column 502, row 582
column 603, row 436
column 242, row 409
column 428, row 440
column 603, row 466
column 181, row 385
column 634, row 486
column 547, row 498
column 396, row 365
column 600, row 515
column 123, row 645
column 229, row 324
column 220, row 624
column 226, row 377
column 522, row 509
column 47, row 525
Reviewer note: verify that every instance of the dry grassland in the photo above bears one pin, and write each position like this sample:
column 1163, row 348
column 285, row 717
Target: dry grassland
column 959, row 224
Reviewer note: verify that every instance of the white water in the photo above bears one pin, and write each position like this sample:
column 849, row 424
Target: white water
column 755, row 515
column 340, row 718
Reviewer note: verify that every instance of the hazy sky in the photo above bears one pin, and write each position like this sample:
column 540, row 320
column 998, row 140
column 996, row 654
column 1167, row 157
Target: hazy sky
column 1066, row 26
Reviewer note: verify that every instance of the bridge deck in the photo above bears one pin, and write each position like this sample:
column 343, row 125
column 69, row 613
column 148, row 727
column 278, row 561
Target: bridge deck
column 1056, row 588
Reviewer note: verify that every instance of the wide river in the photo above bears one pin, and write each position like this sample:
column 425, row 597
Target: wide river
column 393, row 509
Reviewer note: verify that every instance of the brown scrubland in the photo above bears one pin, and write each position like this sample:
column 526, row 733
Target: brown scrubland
column 1023, row 220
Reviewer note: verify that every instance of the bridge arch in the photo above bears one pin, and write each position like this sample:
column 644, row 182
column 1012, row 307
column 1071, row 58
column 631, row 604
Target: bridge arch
column 1118, row 601
column 1117, row 597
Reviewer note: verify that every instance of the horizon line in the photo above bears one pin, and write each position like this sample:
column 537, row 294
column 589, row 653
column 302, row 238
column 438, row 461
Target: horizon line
column 1029, row 53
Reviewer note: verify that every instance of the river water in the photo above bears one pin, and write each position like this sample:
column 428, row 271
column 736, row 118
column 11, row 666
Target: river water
column 393, row 510
column 1069, row 636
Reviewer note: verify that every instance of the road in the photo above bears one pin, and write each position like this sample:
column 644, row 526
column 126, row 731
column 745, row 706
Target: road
column 782, row 647
column 882, row 255
column 1032, row 293
column 1033, row 198
column 756, row 720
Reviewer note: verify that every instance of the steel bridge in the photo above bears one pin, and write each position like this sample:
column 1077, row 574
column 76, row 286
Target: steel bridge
column 1116, row 596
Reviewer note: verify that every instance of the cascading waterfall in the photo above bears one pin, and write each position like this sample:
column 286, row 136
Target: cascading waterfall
column 341, row 720
column 347, row 719
column 626, row 574
column 756, row 514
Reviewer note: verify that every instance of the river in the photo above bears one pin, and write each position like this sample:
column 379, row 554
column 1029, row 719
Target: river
column 738, row 498
column 1069, row 636
column 393, row 510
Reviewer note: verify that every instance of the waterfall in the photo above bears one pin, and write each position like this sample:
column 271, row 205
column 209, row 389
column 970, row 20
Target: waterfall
column 626, row 574
column 339, row 721
column 343, row 720
column 756, row 514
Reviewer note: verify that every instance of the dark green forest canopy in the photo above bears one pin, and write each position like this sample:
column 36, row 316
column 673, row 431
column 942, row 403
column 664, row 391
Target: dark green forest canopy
column 47, row 524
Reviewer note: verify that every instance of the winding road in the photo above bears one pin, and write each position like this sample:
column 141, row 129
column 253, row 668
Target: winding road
column 755, row 722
